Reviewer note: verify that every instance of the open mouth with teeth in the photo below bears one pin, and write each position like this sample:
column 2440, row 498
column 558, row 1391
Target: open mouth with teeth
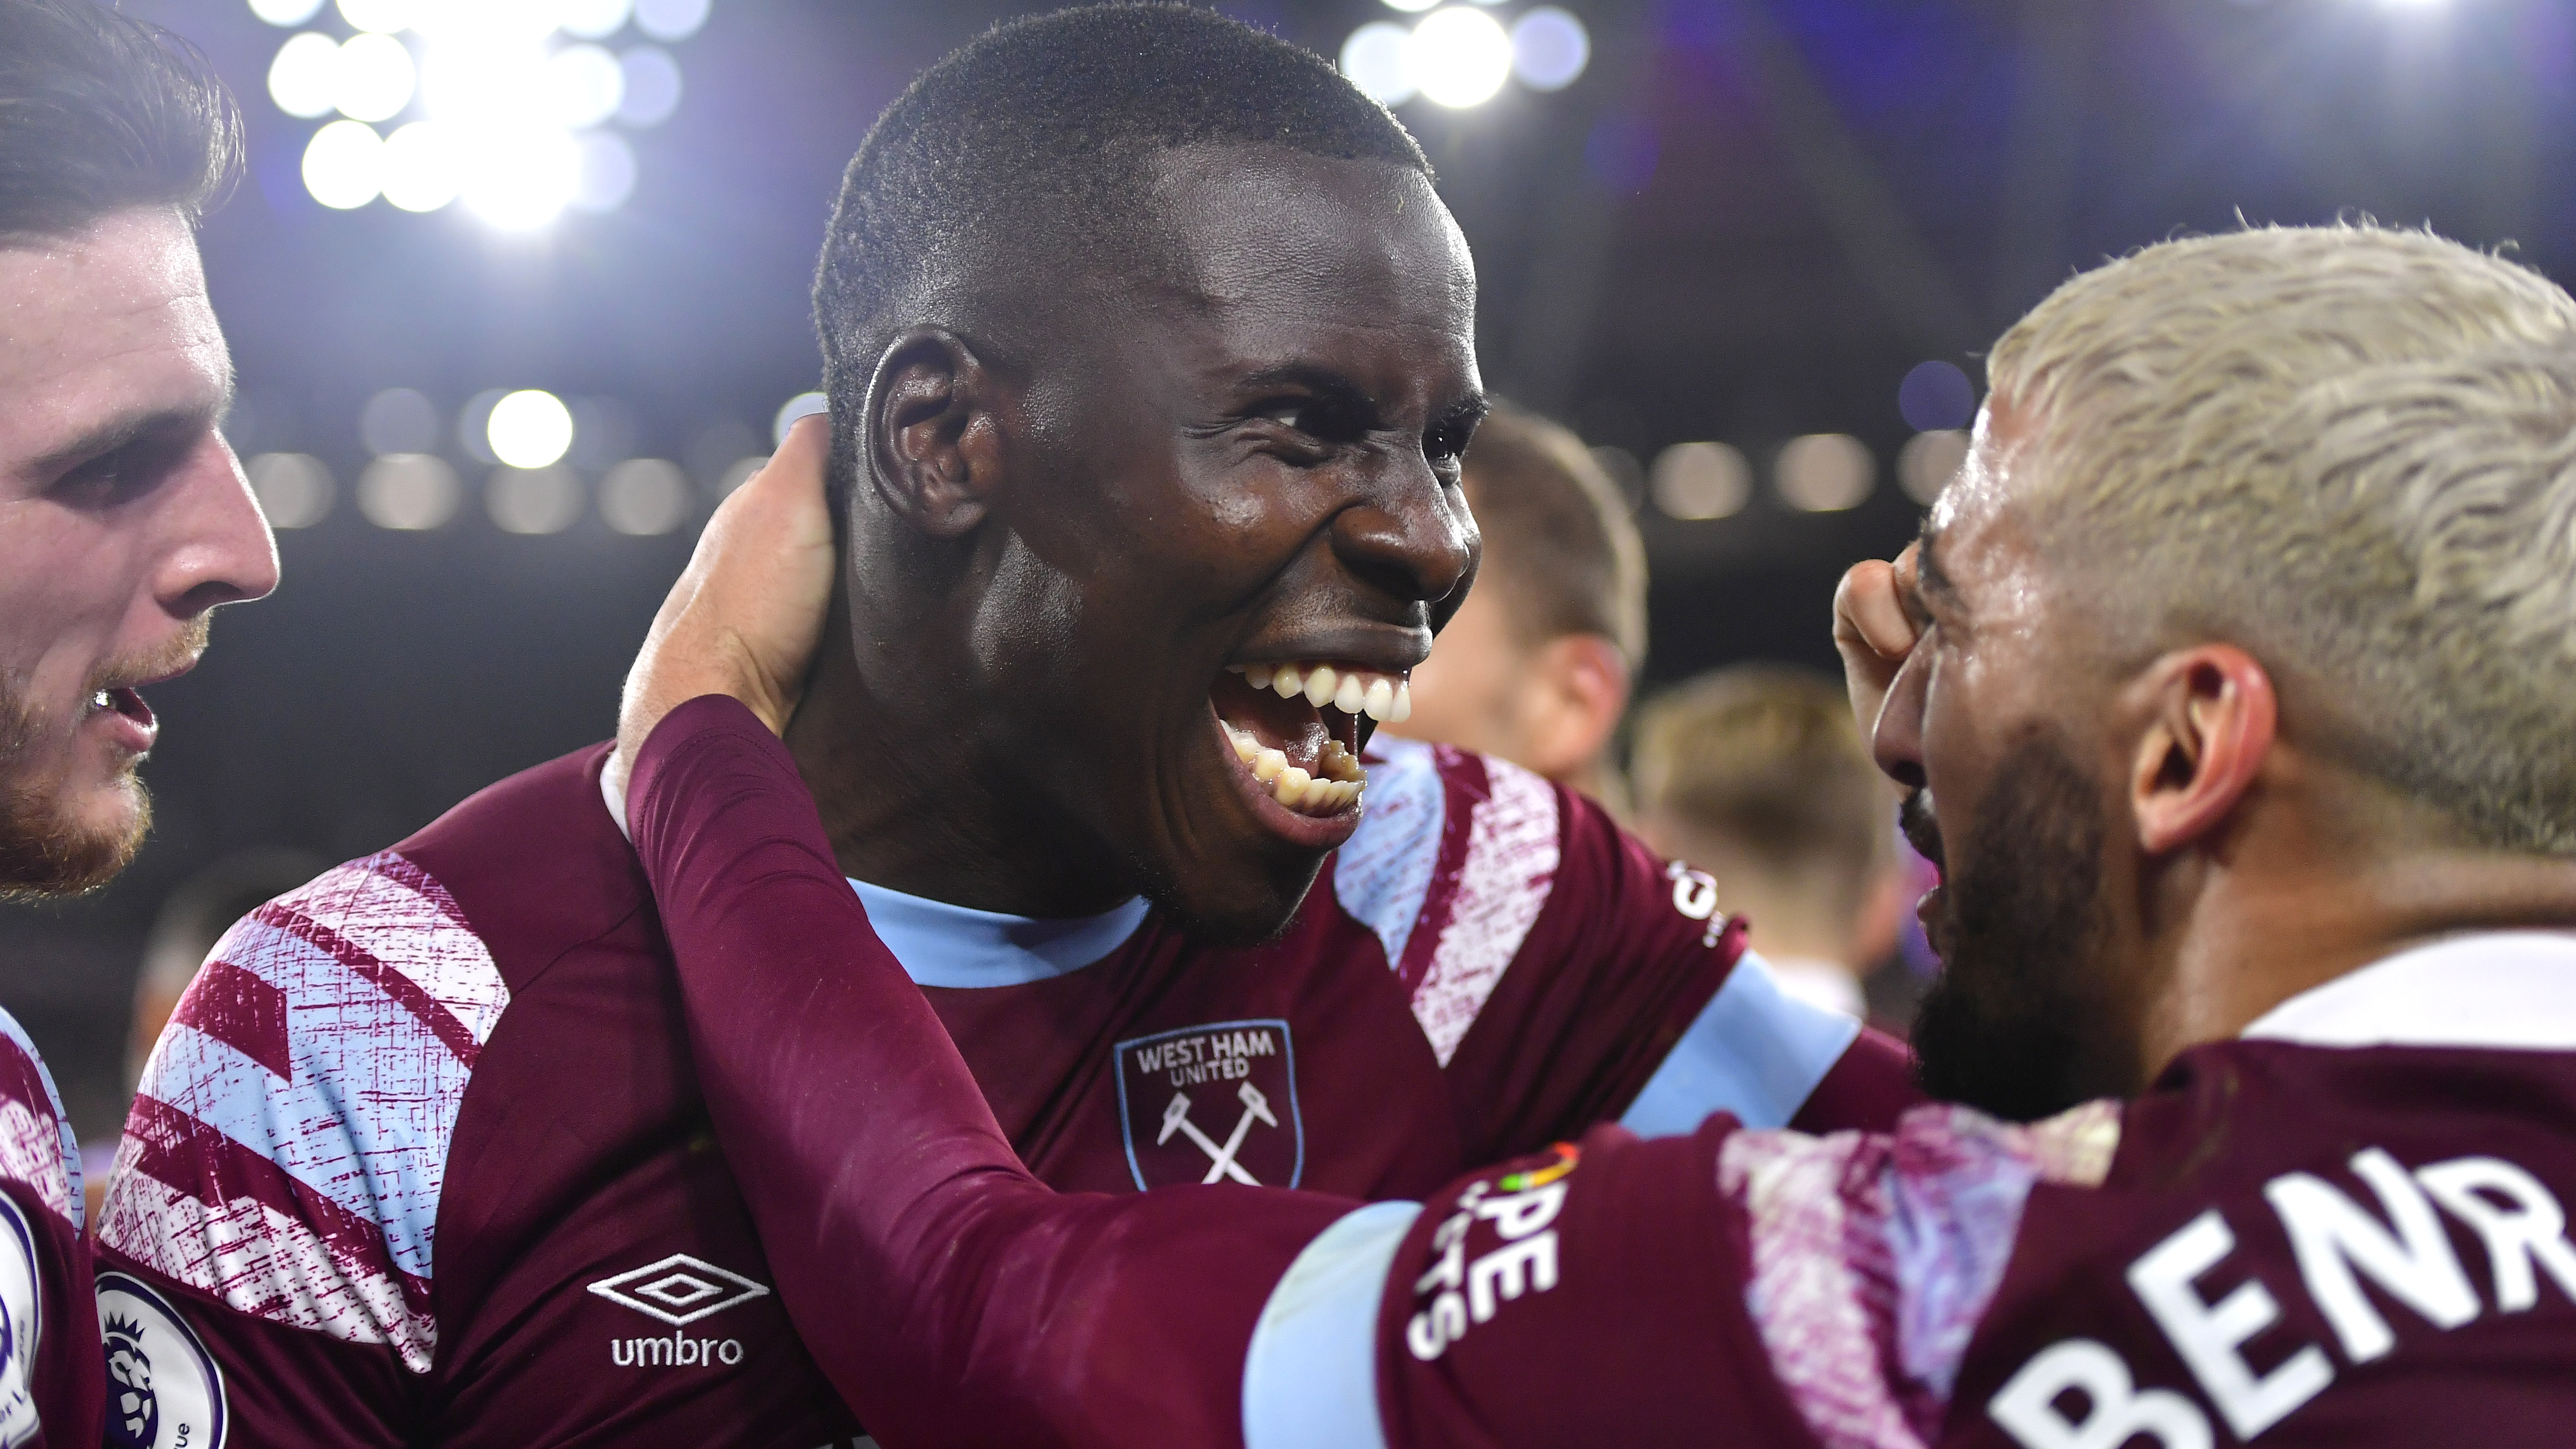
column 1296, row 729
column 125, row 701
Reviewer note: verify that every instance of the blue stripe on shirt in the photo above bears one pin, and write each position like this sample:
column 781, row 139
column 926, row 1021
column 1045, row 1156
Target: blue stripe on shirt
column 1310, row 1377
column 1755, row 1051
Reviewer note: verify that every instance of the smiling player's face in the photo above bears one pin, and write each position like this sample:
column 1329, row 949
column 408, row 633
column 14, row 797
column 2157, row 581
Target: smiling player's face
column 1226, row 493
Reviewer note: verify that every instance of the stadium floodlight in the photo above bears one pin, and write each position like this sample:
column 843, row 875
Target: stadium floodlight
column 304, row 77
column 502, row 105
column 1459, row 57
column 1549, row 48
column 372, row 77
column 286, row 14
column 1374, row 59
column 344, row 165
column 530, row 429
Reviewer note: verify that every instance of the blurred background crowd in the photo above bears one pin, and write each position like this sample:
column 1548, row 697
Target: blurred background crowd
column 517, row 290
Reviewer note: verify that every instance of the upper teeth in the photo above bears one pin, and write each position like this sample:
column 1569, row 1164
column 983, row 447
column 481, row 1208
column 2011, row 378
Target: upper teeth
column 1385, row 698
column 101, row 701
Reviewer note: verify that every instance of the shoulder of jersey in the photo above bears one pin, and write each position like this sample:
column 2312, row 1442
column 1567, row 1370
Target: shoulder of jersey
column 288, row 1143
column 1452, row 863
column 37, row 1149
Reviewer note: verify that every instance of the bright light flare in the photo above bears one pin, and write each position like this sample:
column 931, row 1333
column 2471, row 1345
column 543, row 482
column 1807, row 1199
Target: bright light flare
column 372, row 77
column 344, row 165
column 643, row 497
column 670, row 20
column 520, row 180
column 652, row 86
column 584, row 86
column 1459, row 57
column 304, row 79
column 594, row 19
column 1549, row 48
column 529, row 429
column 379, row 17
column 1825, row 473
column 1374, row 59
column 286, row 14
column 423, row 166
column 294, row 489
column 604, row 174
column 1698, row 481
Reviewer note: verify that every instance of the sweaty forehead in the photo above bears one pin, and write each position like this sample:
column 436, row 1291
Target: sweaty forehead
column 1288, row 238
column 112, row 320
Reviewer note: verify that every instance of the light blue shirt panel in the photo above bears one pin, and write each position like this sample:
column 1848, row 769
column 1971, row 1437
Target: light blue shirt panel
column 1755, row 1051
column 1310, row 1377
column 944, row 945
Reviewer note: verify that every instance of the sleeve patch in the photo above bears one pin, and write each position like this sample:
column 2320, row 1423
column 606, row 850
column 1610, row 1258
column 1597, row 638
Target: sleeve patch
column 289, row 1143
column 1874, row 1257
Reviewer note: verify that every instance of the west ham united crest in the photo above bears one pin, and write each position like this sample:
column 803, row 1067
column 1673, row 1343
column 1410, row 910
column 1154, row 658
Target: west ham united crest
column 1212, row 1103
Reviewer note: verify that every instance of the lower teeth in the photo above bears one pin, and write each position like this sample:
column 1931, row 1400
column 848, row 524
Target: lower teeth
column 1342, row 782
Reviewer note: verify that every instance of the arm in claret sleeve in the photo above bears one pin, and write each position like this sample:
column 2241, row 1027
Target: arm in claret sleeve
column 950, row 1296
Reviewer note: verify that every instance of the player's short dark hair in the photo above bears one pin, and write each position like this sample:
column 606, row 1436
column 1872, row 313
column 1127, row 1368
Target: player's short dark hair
column 100, row 113
column 1029, row 149
column 1560, row 547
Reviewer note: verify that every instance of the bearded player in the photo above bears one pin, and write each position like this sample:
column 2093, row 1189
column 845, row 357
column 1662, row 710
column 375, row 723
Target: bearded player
column 124, row 522
column 1150, row 358
column 2240, row 660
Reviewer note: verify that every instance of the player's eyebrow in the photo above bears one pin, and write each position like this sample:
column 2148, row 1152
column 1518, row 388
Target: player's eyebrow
column 1323, row 382
column 124, row 431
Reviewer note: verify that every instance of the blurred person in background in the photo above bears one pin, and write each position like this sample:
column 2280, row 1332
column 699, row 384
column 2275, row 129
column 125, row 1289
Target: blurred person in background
column 124, row 522
column 1756, row 775
column 1537, row 664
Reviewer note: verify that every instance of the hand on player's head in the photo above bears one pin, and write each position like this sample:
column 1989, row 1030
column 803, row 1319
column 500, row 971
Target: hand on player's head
column 1873, row 631
column 747, row 615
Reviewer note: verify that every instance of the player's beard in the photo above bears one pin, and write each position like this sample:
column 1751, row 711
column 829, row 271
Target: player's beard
column 2025, row 1019
column 45, row 850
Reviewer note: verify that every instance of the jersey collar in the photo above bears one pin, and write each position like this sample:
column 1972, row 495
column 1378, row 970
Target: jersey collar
column 944, row 945
column 2495, row 989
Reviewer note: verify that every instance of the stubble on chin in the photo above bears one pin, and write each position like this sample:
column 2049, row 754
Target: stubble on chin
column 2026, row 1019
column 46, row 849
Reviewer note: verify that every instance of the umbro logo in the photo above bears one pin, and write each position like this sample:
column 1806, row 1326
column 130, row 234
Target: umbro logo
column 679, row 1290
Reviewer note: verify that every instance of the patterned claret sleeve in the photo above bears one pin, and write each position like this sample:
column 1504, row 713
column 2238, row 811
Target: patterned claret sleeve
column 1797, row 1290
column 49, row 1343
column 267, row 1237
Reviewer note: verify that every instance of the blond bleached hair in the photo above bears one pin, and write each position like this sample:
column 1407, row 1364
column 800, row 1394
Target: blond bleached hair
column 2352, row 451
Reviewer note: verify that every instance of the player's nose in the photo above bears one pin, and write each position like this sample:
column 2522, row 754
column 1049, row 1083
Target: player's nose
column 1410, row 535
column 220, row 550
column 1897, row 743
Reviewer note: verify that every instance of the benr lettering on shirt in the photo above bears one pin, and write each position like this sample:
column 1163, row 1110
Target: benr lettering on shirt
column 2399, row 1246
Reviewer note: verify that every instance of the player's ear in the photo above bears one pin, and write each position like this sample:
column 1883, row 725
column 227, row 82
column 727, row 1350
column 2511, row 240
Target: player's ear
column 2211, row 715
column 934, row 441
column 1578, row 687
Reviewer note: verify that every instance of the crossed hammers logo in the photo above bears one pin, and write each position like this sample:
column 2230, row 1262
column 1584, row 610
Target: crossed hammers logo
column 1221, row 1163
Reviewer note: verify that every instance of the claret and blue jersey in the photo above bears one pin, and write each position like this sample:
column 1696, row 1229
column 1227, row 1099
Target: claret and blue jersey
column 422, row 1158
